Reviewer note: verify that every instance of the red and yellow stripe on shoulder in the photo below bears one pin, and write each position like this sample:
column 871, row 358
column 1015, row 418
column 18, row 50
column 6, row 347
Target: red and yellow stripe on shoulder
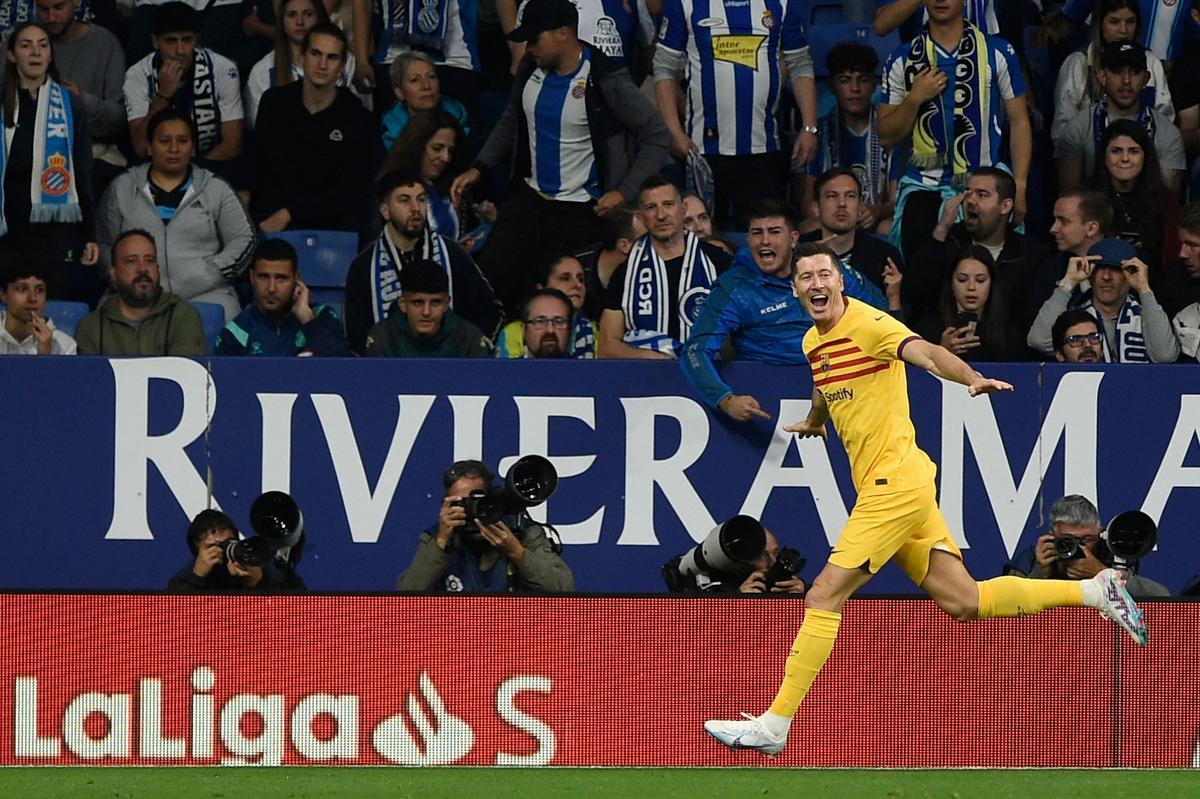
column 841, row 359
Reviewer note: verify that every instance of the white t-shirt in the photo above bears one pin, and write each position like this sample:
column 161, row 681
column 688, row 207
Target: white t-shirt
column 1071, row 88
column 139, row 91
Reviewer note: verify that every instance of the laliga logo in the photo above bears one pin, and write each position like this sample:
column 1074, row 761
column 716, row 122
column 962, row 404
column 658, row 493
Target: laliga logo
column 255, row 728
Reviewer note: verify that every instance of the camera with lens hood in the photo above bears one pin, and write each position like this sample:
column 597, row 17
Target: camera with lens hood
column 279, row 528
column 530, row 481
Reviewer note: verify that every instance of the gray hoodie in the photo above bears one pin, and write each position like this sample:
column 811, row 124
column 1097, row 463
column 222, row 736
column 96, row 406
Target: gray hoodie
column 209, row 241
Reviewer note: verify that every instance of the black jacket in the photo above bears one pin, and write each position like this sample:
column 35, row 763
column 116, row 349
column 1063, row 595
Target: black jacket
column 629, row 138
column 277, row 578
column 315, row 165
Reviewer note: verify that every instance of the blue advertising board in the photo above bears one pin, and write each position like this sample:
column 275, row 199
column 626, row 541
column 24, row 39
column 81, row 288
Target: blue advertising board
column 106, row 460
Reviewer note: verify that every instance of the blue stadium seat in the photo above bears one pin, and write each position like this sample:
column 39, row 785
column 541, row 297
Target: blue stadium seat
column 212, row 316
column 325, row 257
column 825, row 12
column 66, row 315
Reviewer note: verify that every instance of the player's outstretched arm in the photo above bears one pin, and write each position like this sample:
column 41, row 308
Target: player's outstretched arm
column 948, row 366
column 814, row 423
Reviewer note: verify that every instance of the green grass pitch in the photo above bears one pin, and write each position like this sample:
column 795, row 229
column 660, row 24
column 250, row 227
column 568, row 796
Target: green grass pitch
column 684, row 783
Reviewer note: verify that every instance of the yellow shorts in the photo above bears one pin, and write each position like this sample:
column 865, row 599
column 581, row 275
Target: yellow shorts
column 904, row 526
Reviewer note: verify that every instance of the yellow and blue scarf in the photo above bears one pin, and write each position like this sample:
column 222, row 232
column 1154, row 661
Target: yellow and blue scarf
column 972, row 105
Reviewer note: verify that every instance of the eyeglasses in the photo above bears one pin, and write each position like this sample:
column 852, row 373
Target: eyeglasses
column 546, row 321
column 1077, row 341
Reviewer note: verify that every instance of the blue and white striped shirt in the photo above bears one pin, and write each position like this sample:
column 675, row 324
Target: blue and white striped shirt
column 733, row 51
column 562, row 161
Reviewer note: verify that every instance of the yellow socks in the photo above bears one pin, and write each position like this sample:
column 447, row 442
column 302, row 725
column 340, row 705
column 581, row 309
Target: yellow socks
column 1002, row 597
column 813, row 644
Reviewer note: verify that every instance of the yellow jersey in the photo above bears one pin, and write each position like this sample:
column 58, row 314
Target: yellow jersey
column 858, row 370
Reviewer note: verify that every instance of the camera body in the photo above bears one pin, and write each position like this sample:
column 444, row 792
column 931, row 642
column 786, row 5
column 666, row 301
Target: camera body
column 530, row 481
column 1069, row 547
column 787, row 565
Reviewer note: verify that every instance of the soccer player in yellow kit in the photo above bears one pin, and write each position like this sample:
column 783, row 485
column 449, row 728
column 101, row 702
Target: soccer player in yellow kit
column 858, row 354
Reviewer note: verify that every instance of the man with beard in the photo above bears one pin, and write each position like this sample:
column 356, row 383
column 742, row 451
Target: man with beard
column 837, row 195
column 1077, row 337
column 546, row 324
column 1134, row 326
column 373, row 281
column 753, row 306
column 139, row 318
column 655, row 296
column 1183, row 283
column 987, row 206
column 281, row 321
column 461, row 555
column 1122, row 75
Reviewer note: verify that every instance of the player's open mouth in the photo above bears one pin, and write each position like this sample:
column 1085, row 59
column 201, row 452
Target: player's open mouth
column 819, row 301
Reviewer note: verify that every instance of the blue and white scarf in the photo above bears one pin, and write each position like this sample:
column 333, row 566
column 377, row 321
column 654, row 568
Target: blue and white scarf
column 53, row 192
column 199, row 100
column 1130, row 346
column 386, row 264
column 645, row 301
column 832, row 136
column 419, row 23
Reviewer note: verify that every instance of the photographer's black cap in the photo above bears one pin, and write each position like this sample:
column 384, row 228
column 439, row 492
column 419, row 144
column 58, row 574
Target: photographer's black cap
column 1117, row 55
column 544, row 15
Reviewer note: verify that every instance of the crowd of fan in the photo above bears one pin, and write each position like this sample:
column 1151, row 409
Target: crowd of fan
column 601, row 178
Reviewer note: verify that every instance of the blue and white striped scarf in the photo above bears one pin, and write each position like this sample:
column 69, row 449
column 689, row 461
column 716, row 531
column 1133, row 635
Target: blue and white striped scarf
column 53, row 192
column 645, row 301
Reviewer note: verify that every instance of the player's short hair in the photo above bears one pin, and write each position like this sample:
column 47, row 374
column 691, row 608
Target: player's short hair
column 395, row 179
column 1067, row 320
column 326, row 29
column 656, row 182
column 1006, row 187
column 851, row 56
column 1093, row 207
column 16, row 266
column 128, row 234
column 770, row 208
column 208, row 521
column 277, row 250
column 808, row 249
column 618, row 224
column 831, row 174
column 556, row 294
column 466, row 468
column 1189, row 217
column 1074, row 510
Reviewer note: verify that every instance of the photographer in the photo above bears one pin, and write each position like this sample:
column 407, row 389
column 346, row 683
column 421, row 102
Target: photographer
column 454, row 556
column 772, row 571
column 1073, row 550
column 212, row 570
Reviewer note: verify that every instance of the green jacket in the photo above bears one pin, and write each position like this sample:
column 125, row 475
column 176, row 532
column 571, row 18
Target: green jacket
column 457, row 338
column 171, row 328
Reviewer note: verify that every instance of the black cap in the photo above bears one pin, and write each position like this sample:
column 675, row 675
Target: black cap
column 544, row 15
column 424, row 277
column 1118, row 55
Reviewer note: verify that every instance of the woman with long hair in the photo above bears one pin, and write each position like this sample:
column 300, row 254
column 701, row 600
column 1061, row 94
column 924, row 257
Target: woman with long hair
column 285, row 62
column 1129, row 175
column 1077, row 87
column 972, row 320
column 564, row 273
column 433, row 144
column 46, row 202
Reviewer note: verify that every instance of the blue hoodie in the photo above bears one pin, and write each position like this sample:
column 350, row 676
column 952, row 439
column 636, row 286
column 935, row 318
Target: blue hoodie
column 762, row 319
